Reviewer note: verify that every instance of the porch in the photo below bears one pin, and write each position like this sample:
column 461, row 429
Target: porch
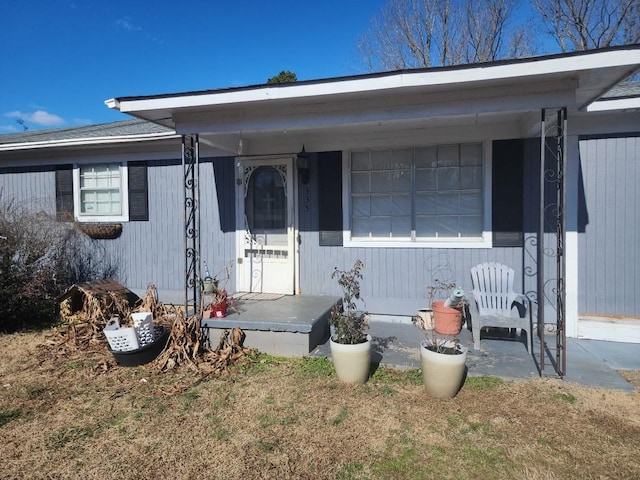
column 282, row 325
column 297, row 326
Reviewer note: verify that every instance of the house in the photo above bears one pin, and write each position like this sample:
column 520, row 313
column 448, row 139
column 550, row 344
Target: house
column 421, row 174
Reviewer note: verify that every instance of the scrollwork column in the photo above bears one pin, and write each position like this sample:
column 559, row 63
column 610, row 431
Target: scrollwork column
column 191, row 188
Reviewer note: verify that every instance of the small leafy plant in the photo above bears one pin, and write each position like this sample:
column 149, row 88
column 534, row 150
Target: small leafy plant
column 349, row 323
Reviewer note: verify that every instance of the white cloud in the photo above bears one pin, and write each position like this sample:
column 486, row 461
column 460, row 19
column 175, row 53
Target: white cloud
column 8, row 128
column 126, row 24
column 39, row 117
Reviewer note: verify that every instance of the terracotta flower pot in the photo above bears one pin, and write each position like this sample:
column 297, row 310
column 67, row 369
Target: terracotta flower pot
column 446, row 320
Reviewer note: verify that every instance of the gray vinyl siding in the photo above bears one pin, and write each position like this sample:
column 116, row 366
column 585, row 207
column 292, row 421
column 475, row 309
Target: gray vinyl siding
column 153, row 252
column 34, row 190
column 218, row 246
column 147, row 252
column 609, row 260
column 399, row 273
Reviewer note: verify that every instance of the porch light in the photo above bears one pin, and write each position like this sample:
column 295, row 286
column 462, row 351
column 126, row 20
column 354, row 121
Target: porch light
column 302, row 164
column 239, row 171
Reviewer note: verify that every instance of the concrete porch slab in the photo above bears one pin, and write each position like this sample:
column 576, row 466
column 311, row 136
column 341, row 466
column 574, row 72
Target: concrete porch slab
column 289, row 326
column 297, row 326
column 589, row 362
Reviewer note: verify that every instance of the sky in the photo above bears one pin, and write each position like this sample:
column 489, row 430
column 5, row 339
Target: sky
column 61, row 59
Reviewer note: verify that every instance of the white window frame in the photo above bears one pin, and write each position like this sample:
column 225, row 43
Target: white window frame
column 484, row 241
column 124, row 195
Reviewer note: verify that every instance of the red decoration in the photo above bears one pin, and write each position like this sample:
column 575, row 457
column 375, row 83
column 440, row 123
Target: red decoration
column 219, row 310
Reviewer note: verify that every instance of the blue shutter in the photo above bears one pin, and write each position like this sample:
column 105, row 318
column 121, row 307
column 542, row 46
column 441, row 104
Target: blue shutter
column 64, row 193
column 507, row 194
column 224, row 173
column 138, row 192
column 330, row 198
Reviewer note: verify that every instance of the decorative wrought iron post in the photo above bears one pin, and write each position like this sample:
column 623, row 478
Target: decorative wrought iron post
column 191, row 188
column 540, row 253
column 554, row 174
column 561, row 229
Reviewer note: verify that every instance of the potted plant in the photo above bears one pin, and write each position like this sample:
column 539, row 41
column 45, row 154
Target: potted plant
column 425, row 315
column 215, row 290
column 350, row 345
column 443, row 360
column 219, row 302
column 443, row 363
column 447, row 313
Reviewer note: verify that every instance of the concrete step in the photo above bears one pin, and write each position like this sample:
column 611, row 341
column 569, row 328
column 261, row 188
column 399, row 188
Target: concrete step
column 288, row 326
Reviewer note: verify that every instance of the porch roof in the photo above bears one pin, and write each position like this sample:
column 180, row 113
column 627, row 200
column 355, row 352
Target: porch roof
column 508, row 92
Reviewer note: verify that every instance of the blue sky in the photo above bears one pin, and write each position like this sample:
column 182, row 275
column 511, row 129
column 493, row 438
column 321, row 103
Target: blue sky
column 61, row 59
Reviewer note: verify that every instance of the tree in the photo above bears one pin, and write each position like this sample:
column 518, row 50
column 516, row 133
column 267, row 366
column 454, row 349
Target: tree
column 587, row 24
column 285, row 76
column 426, row 33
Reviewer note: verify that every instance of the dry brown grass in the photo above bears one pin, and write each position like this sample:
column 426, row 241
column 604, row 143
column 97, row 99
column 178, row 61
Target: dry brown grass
column 64, row 415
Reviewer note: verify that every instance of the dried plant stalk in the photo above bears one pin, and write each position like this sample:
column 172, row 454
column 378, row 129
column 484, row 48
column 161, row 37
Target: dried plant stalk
column 84, row 328
column 186, row 345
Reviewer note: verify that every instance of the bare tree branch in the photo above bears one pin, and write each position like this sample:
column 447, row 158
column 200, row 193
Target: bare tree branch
column 425, row 33
column 587, row 24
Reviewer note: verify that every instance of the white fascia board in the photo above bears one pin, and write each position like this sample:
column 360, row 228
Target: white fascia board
column 112, row 103
column 357, row 113
column 615, row 104
column 435, row 77
column 87, row 141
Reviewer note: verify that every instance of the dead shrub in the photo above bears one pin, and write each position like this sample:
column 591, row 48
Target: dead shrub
column 39, row 259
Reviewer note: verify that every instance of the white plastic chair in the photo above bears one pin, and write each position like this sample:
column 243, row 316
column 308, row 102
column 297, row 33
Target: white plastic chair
column 495, row 301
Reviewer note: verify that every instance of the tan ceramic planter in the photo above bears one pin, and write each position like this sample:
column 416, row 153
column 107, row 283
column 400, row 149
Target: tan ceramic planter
column 442, row 373
column 351, row 362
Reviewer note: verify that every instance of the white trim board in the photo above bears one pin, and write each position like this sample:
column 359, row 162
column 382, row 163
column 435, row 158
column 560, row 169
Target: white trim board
column 609, row 329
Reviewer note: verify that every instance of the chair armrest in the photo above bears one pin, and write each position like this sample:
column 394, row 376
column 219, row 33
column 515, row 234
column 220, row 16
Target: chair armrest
column 472, row 303
column 472, row 310
column 522, row 303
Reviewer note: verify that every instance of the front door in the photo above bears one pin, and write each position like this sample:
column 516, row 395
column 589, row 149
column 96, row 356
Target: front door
column 265, row 237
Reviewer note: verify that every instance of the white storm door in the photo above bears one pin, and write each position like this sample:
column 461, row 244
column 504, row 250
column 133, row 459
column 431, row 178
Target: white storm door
column 265, row 237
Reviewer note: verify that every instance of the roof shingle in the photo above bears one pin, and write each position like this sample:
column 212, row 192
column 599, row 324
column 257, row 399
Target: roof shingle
column 114, row 129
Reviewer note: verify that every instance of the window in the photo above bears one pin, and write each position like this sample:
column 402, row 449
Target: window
column 418, row 195
column 100, row 193
column 266, row 201
column 107, row 193
column 100, row 190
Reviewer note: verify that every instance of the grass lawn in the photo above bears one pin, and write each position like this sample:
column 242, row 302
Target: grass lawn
column 76, row 415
